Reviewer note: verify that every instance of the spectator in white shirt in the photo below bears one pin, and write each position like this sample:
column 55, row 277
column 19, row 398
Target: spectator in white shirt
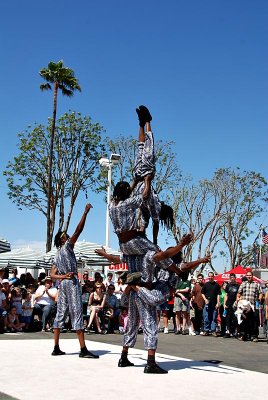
column 45, row 302
column 109, row 280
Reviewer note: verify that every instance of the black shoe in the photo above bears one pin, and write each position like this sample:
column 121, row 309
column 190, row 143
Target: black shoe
column 134, row 278
column 87, row 354
column 125, row 363
column 57, row 352
column 154, row 369
column 145, row 113
column 141, row 117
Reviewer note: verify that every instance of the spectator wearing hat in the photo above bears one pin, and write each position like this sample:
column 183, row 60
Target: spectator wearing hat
column 45, row 302
column 14, row 280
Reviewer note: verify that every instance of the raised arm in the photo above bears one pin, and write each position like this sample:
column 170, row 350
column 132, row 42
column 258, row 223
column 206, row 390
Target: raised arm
column 80, row 225
column 172, row 251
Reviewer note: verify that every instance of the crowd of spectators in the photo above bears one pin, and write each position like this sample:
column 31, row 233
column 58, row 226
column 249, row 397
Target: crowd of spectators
column 28, row 304
column 195, row 306
column 203, row 307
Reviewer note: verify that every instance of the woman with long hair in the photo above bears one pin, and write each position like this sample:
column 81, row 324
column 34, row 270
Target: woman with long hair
column 96, row 302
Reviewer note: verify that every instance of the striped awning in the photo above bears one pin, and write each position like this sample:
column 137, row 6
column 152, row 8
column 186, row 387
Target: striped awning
column 4, row 246
column 21, row 258
column 85, row 253
column 33, row 259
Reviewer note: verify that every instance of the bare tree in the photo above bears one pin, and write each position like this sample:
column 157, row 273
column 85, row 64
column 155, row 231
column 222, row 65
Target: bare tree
column 218, row 211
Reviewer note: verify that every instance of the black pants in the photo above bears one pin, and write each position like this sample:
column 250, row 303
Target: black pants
column 198, row 319
column 249, row 328
column 223, row 321
column 231, row 320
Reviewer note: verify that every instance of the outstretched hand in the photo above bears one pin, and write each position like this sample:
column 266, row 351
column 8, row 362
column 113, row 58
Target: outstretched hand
column 101, row 252
column 88, row 207
column 187, row 238
column 206, row 259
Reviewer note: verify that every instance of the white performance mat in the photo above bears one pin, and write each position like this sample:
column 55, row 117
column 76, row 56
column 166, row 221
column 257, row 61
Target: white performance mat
column 29, row 372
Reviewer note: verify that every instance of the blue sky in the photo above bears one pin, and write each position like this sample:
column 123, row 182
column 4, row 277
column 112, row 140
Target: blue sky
column 201, row 67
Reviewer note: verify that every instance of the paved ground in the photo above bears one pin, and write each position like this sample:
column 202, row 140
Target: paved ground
column 194, row 363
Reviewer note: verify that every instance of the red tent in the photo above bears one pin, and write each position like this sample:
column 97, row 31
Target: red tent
column 239, row 271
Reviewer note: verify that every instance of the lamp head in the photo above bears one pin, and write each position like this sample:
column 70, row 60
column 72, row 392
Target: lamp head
column 115, row 158
column 104, row 162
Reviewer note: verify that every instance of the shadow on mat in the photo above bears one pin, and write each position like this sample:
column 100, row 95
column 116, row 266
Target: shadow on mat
column 176, row 365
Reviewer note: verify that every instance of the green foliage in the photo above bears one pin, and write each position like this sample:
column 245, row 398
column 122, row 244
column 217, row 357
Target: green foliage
column 78, row 145
column 60, row 76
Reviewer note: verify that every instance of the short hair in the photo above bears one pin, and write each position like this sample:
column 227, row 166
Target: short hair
column 184, row 275
column 200, row 275
column 121, row 191
column 232, row 274
column 211, row 272
column 111, row 287
column 57, row 241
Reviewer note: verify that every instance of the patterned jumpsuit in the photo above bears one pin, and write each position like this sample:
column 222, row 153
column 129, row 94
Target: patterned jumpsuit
column 138, row 253
column 124, row 217
column 70, row 294
column 142, row 304
column 145, row 165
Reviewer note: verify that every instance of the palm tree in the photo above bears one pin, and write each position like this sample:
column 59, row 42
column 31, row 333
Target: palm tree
column 62, row 79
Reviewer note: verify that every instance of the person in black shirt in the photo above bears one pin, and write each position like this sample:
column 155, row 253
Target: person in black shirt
column 210, row 293
column 231, row 292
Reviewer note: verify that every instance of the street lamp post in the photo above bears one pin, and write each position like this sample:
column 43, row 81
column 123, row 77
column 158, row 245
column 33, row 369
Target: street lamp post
column 108, row 164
